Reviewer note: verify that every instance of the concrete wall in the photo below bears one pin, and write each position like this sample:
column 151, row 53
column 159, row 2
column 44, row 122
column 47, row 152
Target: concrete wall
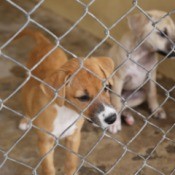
column 108, row 11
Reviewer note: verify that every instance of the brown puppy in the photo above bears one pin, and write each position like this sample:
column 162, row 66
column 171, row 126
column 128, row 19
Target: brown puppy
column 73, row 90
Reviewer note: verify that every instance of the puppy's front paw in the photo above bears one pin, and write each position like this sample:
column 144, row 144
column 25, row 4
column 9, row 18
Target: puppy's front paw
column 160, row 114
column 116, row 126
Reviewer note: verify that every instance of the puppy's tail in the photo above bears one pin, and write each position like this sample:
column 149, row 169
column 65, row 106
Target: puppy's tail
column 37, row 36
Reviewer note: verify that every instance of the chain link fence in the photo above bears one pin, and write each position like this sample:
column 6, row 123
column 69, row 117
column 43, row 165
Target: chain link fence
column 145, row 160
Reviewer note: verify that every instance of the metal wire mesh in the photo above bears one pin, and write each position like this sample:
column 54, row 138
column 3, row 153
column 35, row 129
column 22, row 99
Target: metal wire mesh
column 83, row 159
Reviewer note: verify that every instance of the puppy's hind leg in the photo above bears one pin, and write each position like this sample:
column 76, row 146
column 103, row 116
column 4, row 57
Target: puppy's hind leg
column 136, row 99
column 127, row 117
column 45, row 144
column 24, row 123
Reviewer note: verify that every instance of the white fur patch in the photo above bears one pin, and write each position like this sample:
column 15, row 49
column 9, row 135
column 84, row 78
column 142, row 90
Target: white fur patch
column 65, row 118
column 137, row 76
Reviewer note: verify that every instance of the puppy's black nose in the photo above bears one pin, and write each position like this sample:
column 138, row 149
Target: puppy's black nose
column 111, row 118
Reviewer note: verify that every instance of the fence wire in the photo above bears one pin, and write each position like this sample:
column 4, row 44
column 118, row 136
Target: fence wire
column 107, row 32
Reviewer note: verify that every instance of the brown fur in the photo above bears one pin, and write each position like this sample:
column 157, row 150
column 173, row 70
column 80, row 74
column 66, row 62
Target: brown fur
column 55, row 71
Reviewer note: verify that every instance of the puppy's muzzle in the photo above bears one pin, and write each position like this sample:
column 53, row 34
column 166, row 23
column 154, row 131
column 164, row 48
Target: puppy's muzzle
column 170, row 53
column 104, row 115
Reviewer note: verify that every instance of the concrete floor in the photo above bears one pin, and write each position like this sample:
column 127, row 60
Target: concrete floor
column 108, row 151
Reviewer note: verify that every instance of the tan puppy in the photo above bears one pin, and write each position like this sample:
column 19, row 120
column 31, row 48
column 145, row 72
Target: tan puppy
column 75, row 92
column 131, row 76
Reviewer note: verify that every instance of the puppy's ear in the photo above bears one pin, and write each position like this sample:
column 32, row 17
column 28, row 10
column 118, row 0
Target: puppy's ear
column 136, row 22
column 56, row 80
column 107, row 66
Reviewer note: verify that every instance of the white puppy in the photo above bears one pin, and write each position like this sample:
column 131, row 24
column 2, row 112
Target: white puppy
column 139, row 66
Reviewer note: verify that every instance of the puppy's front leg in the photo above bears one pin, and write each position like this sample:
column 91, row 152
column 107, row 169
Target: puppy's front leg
column 72, row 143
column 116, row 102
column 152, row 99
column 45, row 144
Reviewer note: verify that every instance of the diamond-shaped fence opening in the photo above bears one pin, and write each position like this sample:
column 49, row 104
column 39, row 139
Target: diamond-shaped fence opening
column 145, row 148
column 148, row 170
column 113, row 148
column 131, row 167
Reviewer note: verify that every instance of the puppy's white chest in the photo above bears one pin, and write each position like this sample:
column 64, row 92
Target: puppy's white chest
column 135, row 76
column 63, row 122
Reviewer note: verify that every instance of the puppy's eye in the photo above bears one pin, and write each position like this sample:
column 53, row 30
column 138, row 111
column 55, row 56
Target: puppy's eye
column 108, row 87
column 164, row 33
column 83, row 98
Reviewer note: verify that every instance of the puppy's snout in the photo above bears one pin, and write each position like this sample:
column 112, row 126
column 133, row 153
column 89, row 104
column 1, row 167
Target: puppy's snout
column 105, row 115
column 111, row 119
